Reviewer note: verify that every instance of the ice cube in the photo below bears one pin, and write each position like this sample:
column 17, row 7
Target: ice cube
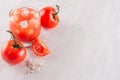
column 36, row 15
column 25, row 13
column 15, row 11
column 32, row 12
column 33, row 20
column 13, row 18
column 24, row 24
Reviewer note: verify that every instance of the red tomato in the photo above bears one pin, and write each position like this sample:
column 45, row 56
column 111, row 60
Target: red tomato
column 25, row 23
column 13, row 55
column 39, row 48
column 49, row 17
column 13, row 52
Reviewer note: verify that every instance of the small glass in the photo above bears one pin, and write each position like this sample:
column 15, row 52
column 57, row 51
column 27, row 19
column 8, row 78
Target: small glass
column 24, row 22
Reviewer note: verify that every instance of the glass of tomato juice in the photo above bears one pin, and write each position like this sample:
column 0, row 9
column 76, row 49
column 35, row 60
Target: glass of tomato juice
column 24, row 22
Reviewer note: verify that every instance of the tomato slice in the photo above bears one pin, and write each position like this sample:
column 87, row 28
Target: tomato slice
column 39, row 48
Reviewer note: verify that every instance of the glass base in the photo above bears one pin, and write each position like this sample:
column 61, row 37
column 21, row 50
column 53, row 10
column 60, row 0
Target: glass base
column 27, row 44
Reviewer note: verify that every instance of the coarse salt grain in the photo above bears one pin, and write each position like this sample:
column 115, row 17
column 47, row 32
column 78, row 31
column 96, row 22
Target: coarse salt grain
column 34, row 65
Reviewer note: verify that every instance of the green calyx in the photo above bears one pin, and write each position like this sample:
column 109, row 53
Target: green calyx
column 56, row 12
column 15, row 45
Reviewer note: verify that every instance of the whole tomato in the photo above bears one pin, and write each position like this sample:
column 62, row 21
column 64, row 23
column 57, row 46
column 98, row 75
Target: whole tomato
column 13, row 52
column 49, row 16
column 39, row 48
column 25, row 23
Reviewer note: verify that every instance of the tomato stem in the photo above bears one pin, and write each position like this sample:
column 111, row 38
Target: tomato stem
column 58, row 10
column 15, row 45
